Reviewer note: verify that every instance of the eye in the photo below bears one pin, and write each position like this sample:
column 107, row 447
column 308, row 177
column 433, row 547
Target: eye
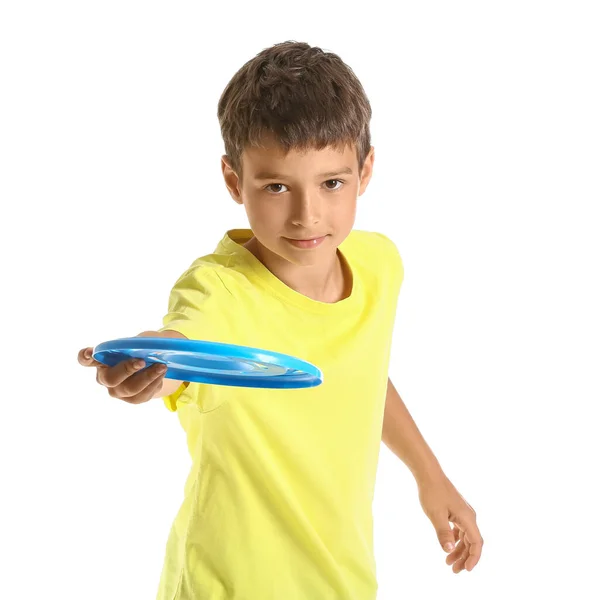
column 274, row 187
column 277, row 192
column 336, row 181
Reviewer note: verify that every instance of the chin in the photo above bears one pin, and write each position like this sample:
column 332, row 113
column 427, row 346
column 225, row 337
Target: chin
column 304, row 261
column 310, row 256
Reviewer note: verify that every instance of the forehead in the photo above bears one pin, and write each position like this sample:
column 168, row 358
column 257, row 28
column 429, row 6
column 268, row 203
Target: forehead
column 272, row 157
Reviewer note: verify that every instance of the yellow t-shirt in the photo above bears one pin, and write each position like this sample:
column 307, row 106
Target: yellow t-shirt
column 278, row 502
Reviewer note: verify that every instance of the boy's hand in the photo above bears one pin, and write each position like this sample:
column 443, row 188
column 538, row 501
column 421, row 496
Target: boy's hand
column 444, row 505
column 125, row 380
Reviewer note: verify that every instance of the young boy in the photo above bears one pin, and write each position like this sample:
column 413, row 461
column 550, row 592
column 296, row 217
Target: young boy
column 278, row 503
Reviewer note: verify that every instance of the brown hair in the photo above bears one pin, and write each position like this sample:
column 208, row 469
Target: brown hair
column 305, row 97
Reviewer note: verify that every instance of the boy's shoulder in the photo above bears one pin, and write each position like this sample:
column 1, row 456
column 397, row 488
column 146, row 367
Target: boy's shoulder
column 370, row 245
column 376, row 258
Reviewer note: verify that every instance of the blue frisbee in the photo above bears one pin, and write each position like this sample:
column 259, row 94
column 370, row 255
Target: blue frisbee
column 212, row 362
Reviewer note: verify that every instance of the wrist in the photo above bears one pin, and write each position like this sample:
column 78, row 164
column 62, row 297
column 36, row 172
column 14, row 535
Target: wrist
column 428, row 474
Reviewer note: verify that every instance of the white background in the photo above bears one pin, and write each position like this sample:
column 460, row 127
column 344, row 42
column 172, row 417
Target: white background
column 484, row 130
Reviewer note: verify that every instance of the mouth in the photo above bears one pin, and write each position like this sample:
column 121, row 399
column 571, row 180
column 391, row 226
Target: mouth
column 312, row 242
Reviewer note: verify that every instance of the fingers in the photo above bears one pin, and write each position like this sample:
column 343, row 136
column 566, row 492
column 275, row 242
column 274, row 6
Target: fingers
column 145, row 394
column 129, row 386
column 443, row 531
column 471, row 538
column 474, row 553
column 456, row 554
column 85, row 358
column 115, row 375
column 459, row 562
column 458, row 557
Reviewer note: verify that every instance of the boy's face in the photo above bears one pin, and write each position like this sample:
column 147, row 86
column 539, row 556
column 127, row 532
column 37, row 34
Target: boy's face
column 299, row 196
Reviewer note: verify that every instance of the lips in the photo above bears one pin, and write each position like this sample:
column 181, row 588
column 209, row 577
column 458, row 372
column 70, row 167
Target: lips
column 308, row 242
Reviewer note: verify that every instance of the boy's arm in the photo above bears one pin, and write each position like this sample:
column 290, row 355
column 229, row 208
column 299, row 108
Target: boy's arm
column 403, row 438
column 169, row 385
column 439, row 499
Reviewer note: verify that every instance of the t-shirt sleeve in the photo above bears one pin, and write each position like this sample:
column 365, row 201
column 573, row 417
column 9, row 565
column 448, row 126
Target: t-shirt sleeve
column 197, row 305
column 196, row 309
column 392, row 257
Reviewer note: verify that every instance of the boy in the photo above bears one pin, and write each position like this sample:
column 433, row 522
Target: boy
column 278, row 503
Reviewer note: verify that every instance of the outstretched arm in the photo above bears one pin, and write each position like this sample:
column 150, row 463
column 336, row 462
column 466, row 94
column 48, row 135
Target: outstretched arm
column 169, row 385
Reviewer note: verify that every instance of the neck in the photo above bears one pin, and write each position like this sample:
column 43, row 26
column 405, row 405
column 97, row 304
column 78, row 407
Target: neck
column 327, row 281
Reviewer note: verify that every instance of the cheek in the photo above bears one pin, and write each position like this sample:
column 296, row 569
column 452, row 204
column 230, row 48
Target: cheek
column 262, row 217
column 345, row 211
column 348, row 223
column 254, row 209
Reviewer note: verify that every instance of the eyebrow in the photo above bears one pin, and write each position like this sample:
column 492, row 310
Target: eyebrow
column 267, row 175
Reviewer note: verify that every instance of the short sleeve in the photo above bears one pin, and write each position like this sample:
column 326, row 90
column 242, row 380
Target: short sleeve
column 197, row 306
column 393, row 257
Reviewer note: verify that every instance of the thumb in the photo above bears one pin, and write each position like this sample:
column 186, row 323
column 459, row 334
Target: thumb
column 85, row 358
column 445, row 534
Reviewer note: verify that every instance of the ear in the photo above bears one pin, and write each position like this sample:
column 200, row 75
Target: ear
column 366, row 171
column 232, row 181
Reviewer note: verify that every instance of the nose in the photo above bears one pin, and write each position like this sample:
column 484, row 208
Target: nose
column 306, row 209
